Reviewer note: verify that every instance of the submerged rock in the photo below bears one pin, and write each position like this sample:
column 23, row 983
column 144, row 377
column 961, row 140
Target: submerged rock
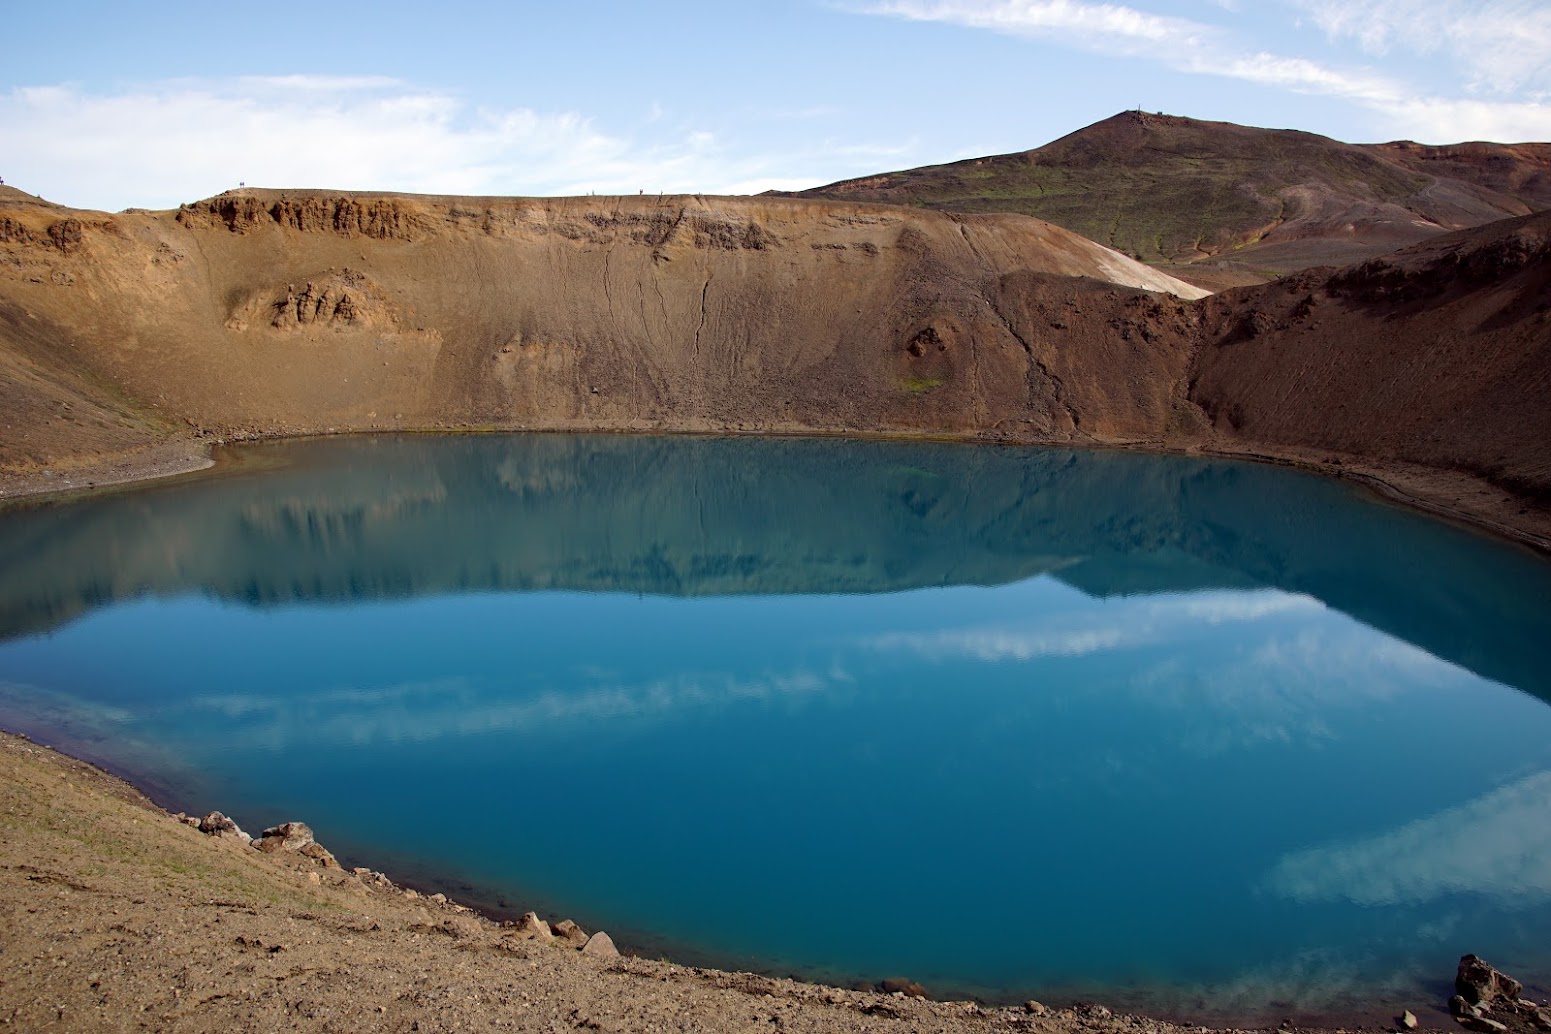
column 909, row 988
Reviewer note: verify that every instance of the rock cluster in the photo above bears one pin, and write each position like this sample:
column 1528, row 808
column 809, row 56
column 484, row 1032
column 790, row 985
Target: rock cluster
column 296, row 838
column 565, row 932
column 1479, row 989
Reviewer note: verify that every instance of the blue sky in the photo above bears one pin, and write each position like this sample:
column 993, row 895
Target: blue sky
column 111, row 105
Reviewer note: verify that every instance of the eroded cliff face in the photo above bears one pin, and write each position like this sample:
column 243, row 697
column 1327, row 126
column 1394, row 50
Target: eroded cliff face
column 304, row 312
column 307, row 312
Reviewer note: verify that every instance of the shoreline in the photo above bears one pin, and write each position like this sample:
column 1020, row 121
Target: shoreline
column 1456, row 497
column 294, row 881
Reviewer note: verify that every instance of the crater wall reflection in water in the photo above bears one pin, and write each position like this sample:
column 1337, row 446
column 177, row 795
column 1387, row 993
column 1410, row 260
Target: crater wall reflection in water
column 1196, row 735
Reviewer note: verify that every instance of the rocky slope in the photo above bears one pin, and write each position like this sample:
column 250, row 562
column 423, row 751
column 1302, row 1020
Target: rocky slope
column 266, row 313
column 1223, row 205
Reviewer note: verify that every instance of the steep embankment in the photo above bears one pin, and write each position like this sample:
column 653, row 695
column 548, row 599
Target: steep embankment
column 309, row 312
column 1438, row 355
column 1222, row 204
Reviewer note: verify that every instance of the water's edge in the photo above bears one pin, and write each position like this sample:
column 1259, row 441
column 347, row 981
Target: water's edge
column 1456, row 497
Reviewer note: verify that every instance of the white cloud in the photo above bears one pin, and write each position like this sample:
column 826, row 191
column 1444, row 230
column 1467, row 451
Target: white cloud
column 1502, row 45
column 1498, row 845
column 1440, row 120
column 179, row 140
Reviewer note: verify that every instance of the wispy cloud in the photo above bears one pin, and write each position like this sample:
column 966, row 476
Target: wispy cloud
column 1182, row 44
column 1498, row 845
column 178, row 140
column 1503, row 46
column 1121, row 625
column 1106, row 26
column 424, row 711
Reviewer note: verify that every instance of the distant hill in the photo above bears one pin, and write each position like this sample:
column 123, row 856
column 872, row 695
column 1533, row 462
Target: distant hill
column 1220, row 204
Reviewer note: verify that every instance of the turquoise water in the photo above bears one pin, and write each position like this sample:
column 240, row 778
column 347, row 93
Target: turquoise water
column 1212, row 739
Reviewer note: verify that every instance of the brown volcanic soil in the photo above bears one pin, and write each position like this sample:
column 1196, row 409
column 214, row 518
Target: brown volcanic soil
column 1223, row 205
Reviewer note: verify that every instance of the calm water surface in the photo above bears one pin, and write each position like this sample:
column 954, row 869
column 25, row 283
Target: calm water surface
column 1211, row 739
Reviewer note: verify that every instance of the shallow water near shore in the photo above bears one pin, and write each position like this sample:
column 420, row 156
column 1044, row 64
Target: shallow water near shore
column 1204, row 738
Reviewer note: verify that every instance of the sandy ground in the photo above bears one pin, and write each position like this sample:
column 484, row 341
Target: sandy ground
column 90, row 472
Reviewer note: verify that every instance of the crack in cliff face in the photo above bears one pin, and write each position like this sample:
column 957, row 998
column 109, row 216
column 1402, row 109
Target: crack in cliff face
column 1057, row 387
column 704, row 290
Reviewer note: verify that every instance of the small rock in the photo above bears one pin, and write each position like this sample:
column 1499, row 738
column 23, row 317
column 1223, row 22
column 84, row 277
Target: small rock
column 440, row 899
column 314, row 879
column 530, row 925
column 569, row 932
column 1406, row 1020
column 1097, row 1012
column 1459, row 1007
column 1037, row 1008
column 411, row 894
column 1486, row 1023
column 1543, row 1019
column 600, row 944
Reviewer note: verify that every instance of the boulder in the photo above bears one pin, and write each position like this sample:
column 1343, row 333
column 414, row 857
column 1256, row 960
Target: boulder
column 1479, row 984
column 295, row 837
column 217, row 825
column 530, row 925
column 600, row 944
column 288, row 836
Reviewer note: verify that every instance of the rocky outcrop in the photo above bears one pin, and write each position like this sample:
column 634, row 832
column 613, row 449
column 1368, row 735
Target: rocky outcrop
column 343, row 300
column 379, row 218
column 217, row 825
column 1480, row 984
column 295, row 837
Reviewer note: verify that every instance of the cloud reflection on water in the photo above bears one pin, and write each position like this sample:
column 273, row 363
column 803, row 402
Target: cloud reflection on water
column 1497, row 845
